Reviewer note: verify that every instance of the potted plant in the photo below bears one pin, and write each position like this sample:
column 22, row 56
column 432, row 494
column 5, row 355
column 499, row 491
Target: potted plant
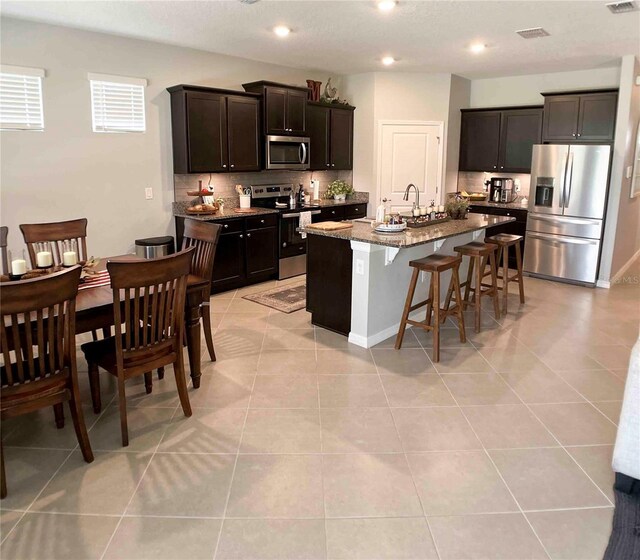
column 338, row 190
column 457, row 207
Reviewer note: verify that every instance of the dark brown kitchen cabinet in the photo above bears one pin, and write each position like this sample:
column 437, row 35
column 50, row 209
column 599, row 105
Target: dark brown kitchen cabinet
column 261, row 249
column 330, row 131
column 214, row 130
column 479, row 140
column 247, row 251
column 519, row 130
column 580, row 116
column 499, row 140
column 285, row 107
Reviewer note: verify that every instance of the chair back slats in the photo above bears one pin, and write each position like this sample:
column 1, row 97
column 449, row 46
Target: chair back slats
column 56, row 233
column 4, row 234
column 204, row 237
column 148, row 299
column 37, row 330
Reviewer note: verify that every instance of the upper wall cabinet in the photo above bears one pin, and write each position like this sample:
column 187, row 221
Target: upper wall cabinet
column 214, row 130
column 580, row 117
column 284, row 107
column 330, row 130
column 499, row 140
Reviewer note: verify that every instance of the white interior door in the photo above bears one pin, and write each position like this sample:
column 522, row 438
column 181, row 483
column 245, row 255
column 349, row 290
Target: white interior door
column 410, row 152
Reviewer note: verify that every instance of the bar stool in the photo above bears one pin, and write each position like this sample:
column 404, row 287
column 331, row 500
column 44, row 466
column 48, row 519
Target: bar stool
column 434, row 264
column 479, row 254
column 504, row 241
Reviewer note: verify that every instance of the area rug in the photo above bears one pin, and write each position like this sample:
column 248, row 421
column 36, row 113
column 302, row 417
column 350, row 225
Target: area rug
column 288, row 298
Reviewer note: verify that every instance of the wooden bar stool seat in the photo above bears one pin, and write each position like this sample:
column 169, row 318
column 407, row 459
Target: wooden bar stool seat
column 479, row 255
column 504, row 241
column 434, row 265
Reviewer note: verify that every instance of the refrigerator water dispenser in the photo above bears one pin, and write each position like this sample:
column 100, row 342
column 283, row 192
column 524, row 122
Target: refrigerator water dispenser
column 544, row 191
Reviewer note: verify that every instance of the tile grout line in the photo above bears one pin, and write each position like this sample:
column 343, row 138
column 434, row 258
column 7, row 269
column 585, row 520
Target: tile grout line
column 144, row 472
column 404, row 453
column 545, row 427
column 322, row 467
column 488, row 455
column 235, row 463
column 35, row 499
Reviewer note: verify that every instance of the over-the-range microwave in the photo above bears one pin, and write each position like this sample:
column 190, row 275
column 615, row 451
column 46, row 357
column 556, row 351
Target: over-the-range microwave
column 287, row 152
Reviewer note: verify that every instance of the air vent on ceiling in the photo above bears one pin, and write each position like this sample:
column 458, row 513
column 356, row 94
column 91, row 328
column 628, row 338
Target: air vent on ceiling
column 248, row 1
column 532, row 33
column 622, row 7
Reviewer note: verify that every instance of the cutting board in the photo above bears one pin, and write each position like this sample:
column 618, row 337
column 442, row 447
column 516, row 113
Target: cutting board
column 330, row 226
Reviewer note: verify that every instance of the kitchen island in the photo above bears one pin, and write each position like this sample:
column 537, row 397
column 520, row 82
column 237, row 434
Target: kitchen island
column 357, row 279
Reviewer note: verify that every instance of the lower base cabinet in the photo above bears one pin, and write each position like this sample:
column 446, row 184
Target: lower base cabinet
column 519, row 227
column 247, row 251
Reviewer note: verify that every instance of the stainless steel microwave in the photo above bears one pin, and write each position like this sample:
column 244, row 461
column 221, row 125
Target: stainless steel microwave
column 287, row 152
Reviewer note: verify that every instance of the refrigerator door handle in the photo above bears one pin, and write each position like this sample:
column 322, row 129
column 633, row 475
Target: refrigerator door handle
column 558, row 241
column 564, row 181
column 568, row 178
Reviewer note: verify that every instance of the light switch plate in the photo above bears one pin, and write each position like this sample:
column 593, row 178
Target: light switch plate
column 148, row 193
column 629, row 173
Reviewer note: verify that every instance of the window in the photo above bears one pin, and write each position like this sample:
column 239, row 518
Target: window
column 21, row 98
column 117, row 104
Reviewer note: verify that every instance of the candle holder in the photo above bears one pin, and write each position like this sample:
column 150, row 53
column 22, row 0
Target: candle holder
column 44, row 256
column 18, row 264
column 69, row 253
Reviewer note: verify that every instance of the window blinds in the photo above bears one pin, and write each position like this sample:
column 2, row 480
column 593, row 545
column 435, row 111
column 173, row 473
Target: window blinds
column 21, row 98
column 117, row 104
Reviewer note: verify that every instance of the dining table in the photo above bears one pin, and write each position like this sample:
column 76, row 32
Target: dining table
column 94, row 311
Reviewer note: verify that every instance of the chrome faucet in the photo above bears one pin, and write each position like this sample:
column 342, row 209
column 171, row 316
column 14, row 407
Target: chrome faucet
column 406, row 194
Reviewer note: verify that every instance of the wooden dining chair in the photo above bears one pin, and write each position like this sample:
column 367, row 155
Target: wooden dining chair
column 4, row 234
column 56, row 233
column 148, row 305
column 203, row 236
column 37, row 344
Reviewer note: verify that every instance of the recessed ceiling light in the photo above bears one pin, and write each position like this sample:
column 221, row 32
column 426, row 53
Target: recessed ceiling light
column 386, row 5
column 281, row 30
column 388, row 60
column 477, row 48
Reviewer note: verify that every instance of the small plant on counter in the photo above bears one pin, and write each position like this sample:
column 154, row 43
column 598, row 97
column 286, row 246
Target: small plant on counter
column 338, row 190
column 457, row 207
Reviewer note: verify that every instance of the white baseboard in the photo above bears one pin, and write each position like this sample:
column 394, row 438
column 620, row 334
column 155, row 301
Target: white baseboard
column 614, row 279
column 369, row 341
column 603, row 284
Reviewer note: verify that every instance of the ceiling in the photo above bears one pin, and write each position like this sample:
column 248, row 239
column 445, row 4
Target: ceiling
column 350, row 37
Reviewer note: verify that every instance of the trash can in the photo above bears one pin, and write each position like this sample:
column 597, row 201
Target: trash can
column 153, row 247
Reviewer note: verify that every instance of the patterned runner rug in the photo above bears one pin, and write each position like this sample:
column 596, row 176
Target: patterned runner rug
column 288, row 298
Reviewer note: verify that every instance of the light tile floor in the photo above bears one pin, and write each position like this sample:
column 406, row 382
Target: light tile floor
column 302, row 446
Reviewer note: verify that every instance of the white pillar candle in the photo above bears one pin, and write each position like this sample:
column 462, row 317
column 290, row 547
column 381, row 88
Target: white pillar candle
column 69, row 258
column 18, row 267
column 441, row 208
column 44, row 259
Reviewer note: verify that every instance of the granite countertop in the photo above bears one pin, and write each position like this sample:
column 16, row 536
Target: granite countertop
column 361, row 231
column 229, row 212
column 517, row 205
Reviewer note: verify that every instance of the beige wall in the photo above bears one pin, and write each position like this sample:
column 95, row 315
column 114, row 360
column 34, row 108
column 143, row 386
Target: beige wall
column 404, row 97
column 622, row 229
column 525, row 90
column 67, row 171
column 459, row 96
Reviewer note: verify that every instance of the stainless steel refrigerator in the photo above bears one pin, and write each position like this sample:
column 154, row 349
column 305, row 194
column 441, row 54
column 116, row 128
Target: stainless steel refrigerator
column 567, row 201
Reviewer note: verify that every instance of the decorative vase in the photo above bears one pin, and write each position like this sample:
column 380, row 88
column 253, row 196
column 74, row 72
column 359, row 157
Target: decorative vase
column 340, row 197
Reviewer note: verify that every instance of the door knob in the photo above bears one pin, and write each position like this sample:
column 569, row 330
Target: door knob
column 224, row 165
column 248, row 235
column 231, row 165
column 579, row 134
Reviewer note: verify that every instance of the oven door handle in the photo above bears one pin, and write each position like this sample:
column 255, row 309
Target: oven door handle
column 313, row 213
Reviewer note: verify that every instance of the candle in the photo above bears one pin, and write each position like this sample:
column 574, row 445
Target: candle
column 44, row 259
column 440, row 208
column 69, row 258
column 18, row 267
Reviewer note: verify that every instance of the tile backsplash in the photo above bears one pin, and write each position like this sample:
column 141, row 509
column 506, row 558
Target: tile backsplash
column 474, row 181
column 224, row 183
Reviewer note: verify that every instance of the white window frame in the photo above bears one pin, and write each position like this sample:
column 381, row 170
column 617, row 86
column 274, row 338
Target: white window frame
column 26, row 73
column 106, row 127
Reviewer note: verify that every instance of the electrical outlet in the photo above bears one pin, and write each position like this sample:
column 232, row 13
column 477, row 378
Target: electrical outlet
column 516, row 185
column 629, row 173
column 148, row 193
column 360, row 267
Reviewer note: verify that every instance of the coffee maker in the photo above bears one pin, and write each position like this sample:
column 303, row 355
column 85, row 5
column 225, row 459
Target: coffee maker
column 501, row 189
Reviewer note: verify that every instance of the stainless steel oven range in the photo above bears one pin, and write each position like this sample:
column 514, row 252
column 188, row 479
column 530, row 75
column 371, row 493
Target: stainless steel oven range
column 292, row 248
